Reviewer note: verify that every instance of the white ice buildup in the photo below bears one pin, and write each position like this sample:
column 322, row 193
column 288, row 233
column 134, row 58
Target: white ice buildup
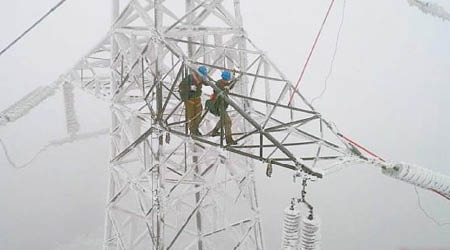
column 310, row 233
column 431, row 8
column 291, row 228
column 419, row 176
column 71, row 119
column 24, row 105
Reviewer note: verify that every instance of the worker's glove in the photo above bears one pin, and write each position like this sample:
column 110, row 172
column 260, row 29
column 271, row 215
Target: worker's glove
column 193, row 88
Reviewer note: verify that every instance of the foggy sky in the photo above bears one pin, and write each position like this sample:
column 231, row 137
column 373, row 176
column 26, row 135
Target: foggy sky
column 389, row 91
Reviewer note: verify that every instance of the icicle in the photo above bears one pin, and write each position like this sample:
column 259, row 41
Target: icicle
column 310, row 233
column 420, row 177
column 291, row 226
column 71, row 118
column 24, row 105
column 431, row 8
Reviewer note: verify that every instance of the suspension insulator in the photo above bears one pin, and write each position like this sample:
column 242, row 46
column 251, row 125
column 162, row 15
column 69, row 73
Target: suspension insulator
column 420, row 177
column 291, row 227
column 24, row 105
column 431, row 9
column 71, row 119
column 310, row 234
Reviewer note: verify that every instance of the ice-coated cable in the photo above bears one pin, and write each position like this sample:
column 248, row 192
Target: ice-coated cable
column 31, row 27
column 54, row 143
column 13, row 164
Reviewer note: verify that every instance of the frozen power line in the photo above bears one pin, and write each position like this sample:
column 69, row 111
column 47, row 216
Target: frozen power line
column 55, row 143
column 31, row 27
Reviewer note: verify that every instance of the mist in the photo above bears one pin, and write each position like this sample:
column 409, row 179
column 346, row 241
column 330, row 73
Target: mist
column 387, row 90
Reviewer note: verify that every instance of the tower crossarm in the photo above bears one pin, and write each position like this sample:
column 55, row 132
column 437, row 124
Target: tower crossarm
column 290, row 135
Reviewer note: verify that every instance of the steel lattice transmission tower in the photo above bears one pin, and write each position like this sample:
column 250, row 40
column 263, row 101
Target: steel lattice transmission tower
column 172, row 191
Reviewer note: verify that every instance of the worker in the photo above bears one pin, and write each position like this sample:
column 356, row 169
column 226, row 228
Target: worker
column 190, row 91
column 218, row 106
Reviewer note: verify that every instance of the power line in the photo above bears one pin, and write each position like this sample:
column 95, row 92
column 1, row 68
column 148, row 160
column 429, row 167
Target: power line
column 13, row 164
column 31, row 27
column 311, row 52
column 336, row 46
column 56, row 143
column 426, row 214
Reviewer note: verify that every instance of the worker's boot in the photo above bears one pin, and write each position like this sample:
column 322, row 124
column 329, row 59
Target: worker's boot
column 214, row 132
column 196, row 132
column 230, row 141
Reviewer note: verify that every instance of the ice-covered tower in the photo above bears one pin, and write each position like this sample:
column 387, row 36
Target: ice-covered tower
column 170, row 190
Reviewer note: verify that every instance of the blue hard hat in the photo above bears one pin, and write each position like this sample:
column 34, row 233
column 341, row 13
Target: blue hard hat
column 203, row 70
column 226, row 75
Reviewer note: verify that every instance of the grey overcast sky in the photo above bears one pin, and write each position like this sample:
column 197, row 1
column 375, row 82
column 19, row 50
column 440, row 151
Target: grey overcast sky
column 389, row 91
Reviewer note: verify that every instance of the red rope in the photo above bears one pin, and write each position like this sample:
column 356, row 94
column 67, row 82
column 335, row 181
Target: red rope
column 301, row 77
column 361, row 147
column 441, row 194
column 311, row 52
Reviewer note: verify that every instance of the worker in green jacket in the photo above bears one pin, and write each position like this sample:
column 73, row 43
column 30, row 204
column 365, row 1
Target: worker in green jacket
column 190, row 91
column 218, row 107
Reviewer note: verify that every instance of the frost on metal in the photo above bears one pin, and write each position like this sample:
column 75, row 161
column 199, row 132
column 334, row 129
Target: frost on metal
column 190, row 192
column 71, row 118
column 24, row 105
column 310, row 234
column 291, row 228
column 301, row 230
column 420, row 177
column 167, row 189
column 431, row 8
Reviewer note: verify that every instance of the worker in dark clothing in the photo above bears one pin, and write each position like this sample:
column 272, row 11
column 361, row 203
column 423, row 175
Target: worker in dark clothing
column 190, row 91
column 218, row 107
